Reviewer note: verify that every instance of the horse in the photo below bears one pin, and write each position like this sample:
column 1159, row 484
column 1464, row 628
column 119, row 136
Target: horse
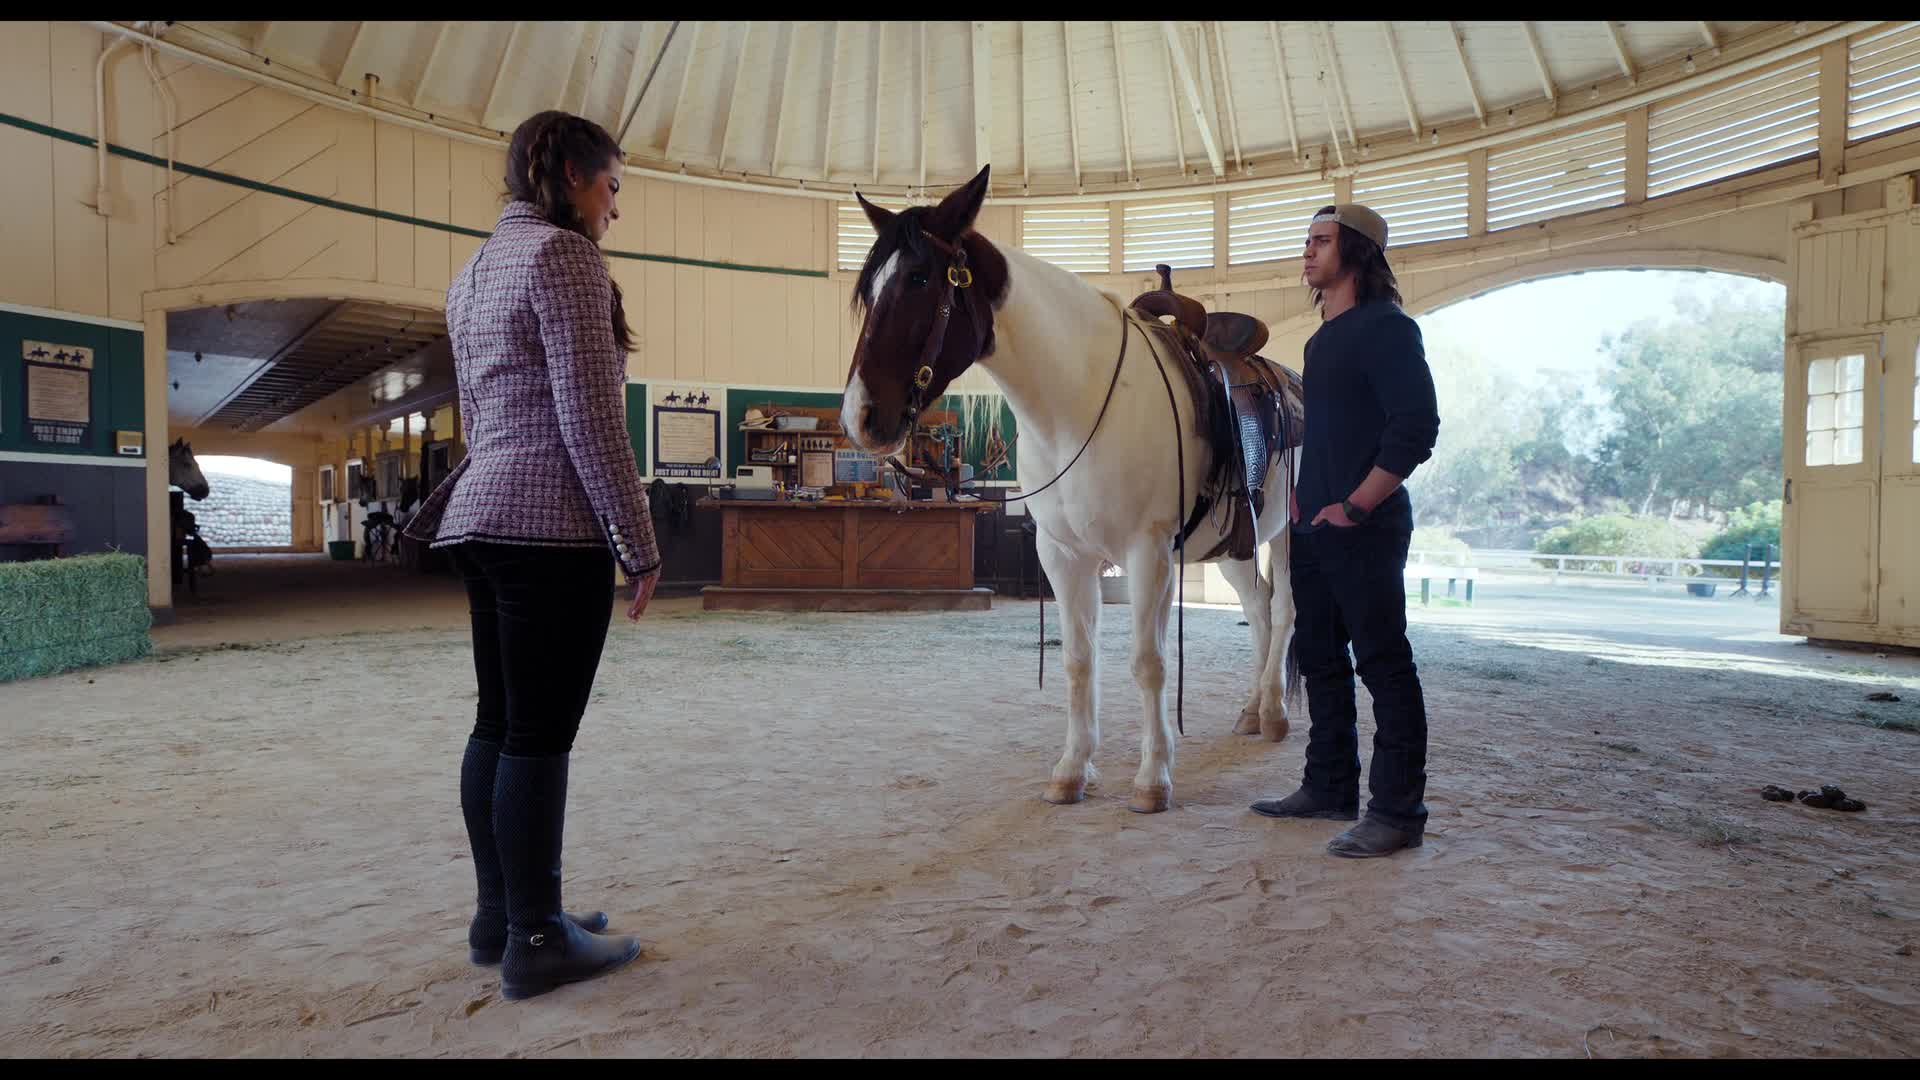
column 184, row 472
column 1112, row 482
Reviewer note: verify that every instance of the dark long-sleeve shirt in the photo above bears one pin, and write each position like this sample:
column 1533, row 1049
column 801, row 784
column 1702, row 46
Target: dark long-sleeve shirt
column 1370, row 402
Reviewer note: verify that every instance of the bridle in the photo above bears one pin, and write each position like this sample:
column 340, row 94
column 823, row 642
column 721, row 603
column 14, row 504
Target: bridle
column 959, row 279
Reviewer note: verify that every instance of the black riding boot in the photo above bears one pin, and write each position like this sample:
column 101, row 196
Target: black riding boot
column 487, row 934
column 545, row 949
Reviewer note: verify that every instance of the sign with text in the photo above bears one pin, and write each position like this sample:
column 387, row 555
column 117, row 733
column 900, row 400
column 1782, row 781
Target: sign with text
column 686, row 430
column 59, row 392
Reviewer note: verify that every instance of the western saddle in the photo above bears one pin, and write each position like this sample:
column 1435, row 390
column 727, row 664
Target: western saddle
column 1248, row 408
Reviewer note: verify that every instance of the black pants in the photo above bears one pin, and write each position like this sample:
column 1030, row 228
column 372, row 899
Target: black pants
column 1348, row 589
column 540, row 617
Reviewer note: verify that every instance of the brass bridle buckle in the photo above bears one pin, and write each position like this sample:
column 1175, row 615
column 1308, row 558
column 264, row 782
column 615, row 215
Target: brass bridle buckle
column 924, row 377
column 959, row 277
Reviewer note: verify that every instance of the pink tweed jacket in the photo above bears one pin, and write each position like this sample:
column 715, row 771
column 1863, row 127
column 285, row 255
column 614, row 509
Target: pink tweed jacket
column 541, row 391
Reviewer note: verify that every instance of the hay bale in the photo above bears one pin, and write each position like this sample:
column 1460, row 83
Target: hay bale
column 61, row 614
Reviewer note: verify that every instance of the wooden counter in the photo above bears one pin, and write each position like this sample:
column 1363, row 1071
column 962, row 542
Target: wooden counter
column 853, row 555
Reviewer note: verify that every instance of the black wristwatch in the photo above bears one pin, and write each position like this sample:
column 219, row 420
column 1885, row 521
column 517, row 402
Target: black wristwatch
column 1354, row 513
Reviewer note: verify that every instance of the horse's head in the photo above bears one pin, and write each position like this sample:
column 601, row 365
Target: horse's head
column 184, row 472
column 927, row 294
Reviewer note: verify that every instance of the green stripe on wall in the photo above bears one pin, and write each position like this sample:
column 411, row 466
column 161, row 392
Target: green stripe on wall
column 368, row 211
column 637, row 424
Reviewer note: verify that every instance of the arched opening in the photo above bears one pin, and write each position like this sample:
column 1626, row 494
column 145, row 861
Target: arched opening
column 1611, row 430
column 316, row 421
column 249, row 504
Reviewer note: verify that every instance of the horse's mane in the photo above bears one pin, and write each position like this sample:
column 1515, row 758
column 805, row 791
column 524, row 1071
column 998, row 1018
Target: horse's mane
column 906, row 232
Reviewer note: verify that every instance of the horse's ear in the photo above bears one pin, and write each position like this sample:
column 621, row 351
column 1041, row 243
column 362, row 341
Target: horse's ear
column 956, row 212
column 880, row 217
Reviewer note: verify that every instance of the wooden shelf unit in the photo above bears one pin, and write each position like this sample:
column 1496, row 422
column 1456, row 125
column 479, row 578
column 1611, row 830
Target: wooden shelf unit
column 786, row 470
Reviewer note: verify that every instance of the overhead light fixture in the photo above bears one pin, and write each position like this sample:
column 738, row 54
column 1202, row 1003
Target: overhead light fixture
column 1691, row 66
column 1435, row 139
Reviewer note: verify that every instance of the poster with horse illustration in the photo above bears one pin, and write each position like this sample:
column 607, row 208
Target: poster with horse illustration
column 687, row 440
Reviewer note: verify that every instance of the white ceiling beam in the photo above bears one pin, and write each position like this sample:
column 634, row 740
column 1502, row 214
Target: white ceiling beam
column 1706, row 31
column 1120, row 68
column 1326, row 106
column 923, row 107
column 577, row 102
column 1026, row 144
column 1460, row 50
column 1226, row 87
column 833, row 84
column 1286, row 92
column 1339, row 84
column 1620, row 53
column 879, row 75
column 739, row 80
column 1073, row 110
column 634, row 96
column 786, row 95
column 433, row 57
column 983, row 96
column 499, row 76
column 1173, row 106
column 1540, row 65
column 686, row 80
column 1400, row 78
column 1185, row 67
column 347, row 61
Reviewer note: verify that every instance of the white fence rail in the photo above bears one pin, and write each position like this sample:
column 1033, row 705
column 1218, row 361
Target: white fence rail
column 1653, row 569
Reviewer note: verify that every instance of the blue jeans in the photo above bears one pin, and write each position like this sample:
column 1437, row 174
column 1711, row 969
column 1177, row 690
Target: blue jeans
column 1348, row 591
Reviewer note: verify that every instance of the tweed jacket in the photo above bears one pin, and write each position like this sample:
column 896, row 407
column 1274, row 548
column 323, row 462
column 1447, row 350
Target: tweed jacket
column 541, row 391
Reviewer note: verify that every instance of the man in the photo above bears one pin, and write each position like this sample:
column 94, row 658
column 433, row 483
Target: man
column 1371, row 418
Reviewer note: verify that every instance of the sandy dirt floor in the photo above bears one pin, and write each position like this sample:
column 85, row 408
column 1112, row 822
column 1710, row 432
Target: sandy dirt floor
column 828, row 833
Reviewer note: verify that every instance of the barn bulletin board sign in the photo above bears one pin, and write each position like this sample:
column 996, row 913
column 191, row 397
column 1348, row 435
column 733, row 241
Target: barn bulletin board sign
column 59, row 393
column 686, row 430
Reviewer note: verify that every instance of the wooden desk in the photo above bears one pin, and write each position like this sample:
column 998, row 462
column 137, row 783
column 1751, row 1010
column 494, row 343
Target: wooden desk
column 867, row 555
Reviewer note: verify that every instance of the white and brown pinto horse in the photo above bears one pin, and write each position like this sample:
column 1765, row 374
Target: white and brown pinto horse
column 938, row 297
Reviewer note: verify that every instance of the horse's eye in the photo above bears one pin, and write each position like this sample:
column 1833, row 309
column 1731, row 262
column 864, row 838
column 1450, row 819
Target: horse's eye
column 917, row 279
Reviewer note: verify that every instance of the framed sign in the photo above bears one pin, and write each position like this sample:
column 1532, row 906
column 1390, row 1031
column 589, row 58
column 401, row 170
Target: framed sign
column 686, row 431
column 59, row 400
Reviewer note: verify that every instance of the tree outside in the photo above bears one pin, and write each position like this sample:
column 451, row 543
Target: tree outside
column 1673, row 418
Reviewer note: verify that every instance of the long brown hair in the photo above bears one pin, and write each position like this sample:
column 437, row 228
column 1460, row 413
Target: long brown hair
column 1372, row 278
column 537, row 159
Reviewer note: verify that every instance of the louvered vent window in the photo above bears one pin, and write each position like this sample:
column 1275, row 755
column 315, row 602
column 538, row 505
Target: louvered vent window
column 1178, row 234
column 855, row 235
column 1746, row 123
column 1420, row 203
column 1883, row 81
column 1072, row 237
column 1564, row 175
column 1267, row 225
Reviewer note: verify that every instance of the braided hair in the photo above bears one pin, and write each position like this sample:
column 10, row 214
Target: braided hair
column 537, row 159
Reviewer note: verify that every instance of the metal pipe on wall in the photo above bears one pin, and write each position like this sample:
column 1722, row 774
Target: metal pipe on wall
column 101, row 201
column 166, row 96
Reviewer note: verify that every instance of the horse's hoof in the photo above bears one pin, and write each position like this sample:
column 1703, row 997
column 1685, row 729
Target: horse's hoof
column 1274, row 729
column 1063, row 792
column 1151, row 800
column 1248, row 724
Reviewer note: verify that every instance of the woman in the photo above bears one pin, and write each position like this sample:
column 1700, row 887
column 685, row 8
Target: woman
column 546, row 501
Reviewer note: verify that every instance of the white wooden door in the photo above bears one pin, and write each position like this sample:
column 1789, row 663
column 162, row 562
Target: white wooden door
column 1833, row 451
column 1900, row 487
